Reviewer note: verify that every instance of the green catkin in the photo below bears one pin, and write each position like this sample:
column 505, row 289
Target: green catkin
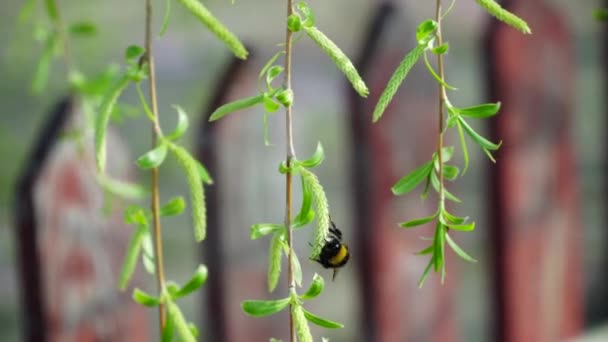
column 197, row 195
column 302, row 328
column 505, row 16
column 214, row 25
column 339, row 58
column 101, row 124
column 133, row 251
column 180, row 322
column 321, row 211
column 396, row 79
column 274, row 262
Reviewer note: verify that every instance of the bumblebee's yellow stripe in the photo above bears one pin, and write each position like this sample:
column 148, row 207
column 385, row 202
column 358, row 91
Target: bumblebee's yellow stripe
column 337, row 259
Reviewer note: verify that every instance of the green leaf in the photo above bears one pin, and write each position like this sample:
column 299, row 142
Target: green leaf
column 411, row 180
column 478, row 139
column 214, row 25
column 174, row 207
column 297, row 269
column 269, row 64
column 425, row 190
column 316, row 159
column 465, row 152
column 446, row 155
column 135, row 214
column 165, row 24
column 451, row 219
column 103, row 117
column 294, row 23
column 270, row 105
column 169, row 329
column 153, row 158
column 505, row 16
column 448, row 195
column 461, row 253
column 203, row 173
column 195, row 184
column 463, row 227
column 26, row 10
column 439, row 241
column 273, row 73
column 183, row 330
column 425, row 274
column 147, row 255
column 182, row 124
column 425, row 31
column 301, row 221
column 339, row 58
column 441, row 49
column 418, row 222
column 395, row 81
column 437, row 78
column 306, row 207
column 601, row 14
column 234, row 106
column 274, row 261
column 480, row 111
column 133, row 51
column 51, row 10
column 301, row 325
column 198, row 279
column 145, row 299
column 285, row 97
column 260, row 308
column 120, row 188
column 84, row 28
column 322, row 322
column 41, row 76
column 193, row 329
column 309, row 18
column 426, row 251
column 130, row 262
column 450, row 172
column 315, row 289
column 262, row 229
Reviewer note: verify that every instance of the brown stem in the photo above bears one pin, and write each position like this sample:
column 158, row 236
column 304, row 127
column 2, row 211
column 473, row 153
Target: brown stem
column 158, row 242
column 290, row 155
column 441, row 101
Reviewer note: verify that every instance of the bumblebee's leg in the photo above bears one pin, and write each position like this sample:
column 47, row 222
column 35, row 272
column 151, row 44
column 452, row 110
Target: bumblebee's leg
column 333, row 278
column 335, row 230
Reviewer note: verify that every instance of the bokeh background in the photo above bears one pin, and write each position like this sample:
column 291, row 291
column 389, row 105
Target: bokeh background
column 189, row 63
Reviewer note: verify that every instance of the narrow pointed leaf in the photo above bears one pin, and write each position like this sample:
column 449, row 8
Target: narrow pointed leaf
column 316, row 159
column 145, row 299
column 166, row 18
column 463, row 227
column 411, row 180
column 425, row 274
column 43, row 67
column 480, row 111
column 478, row 139
column 130, row 262
column 269, row 64
column 203, row 173
column 426, row 251
column 418, row 222
column 197, row 280
column 426, row 31
column 465, row 151
column 322, row 322
column 316, row 287
column 237, row 105
column 174, row 207
column 461, row 253
column 262, row 229
column 260, row 308
column 182, row 124
column 153, row 158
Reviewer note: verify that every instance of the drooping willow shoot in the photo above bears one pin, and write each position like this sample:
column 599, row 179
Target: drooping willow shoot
column 315, row 206
column 429, row 41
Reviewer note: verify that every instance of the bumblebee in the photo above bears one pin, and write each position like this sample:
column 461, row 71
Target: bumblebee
column 334, row 253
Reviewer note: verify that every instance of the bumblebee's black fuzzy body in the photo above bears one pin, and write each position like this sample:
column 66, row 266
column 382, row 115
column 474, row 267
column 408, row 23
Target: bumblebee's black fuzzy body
column 334, row 253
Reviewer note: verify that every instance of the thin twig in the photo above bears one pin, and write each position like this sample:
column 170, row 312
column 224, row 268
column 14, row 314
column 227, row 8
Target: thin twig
column 158, row 243
column 63, row 37
column 290, row 155
column 441, row 102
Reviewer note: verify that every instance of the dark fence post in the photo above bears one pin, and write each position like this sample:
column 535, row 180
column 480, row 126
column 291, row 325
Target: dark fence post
column 213, row 252
column 535, row 225
column 361, row 175
column 28, row 258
